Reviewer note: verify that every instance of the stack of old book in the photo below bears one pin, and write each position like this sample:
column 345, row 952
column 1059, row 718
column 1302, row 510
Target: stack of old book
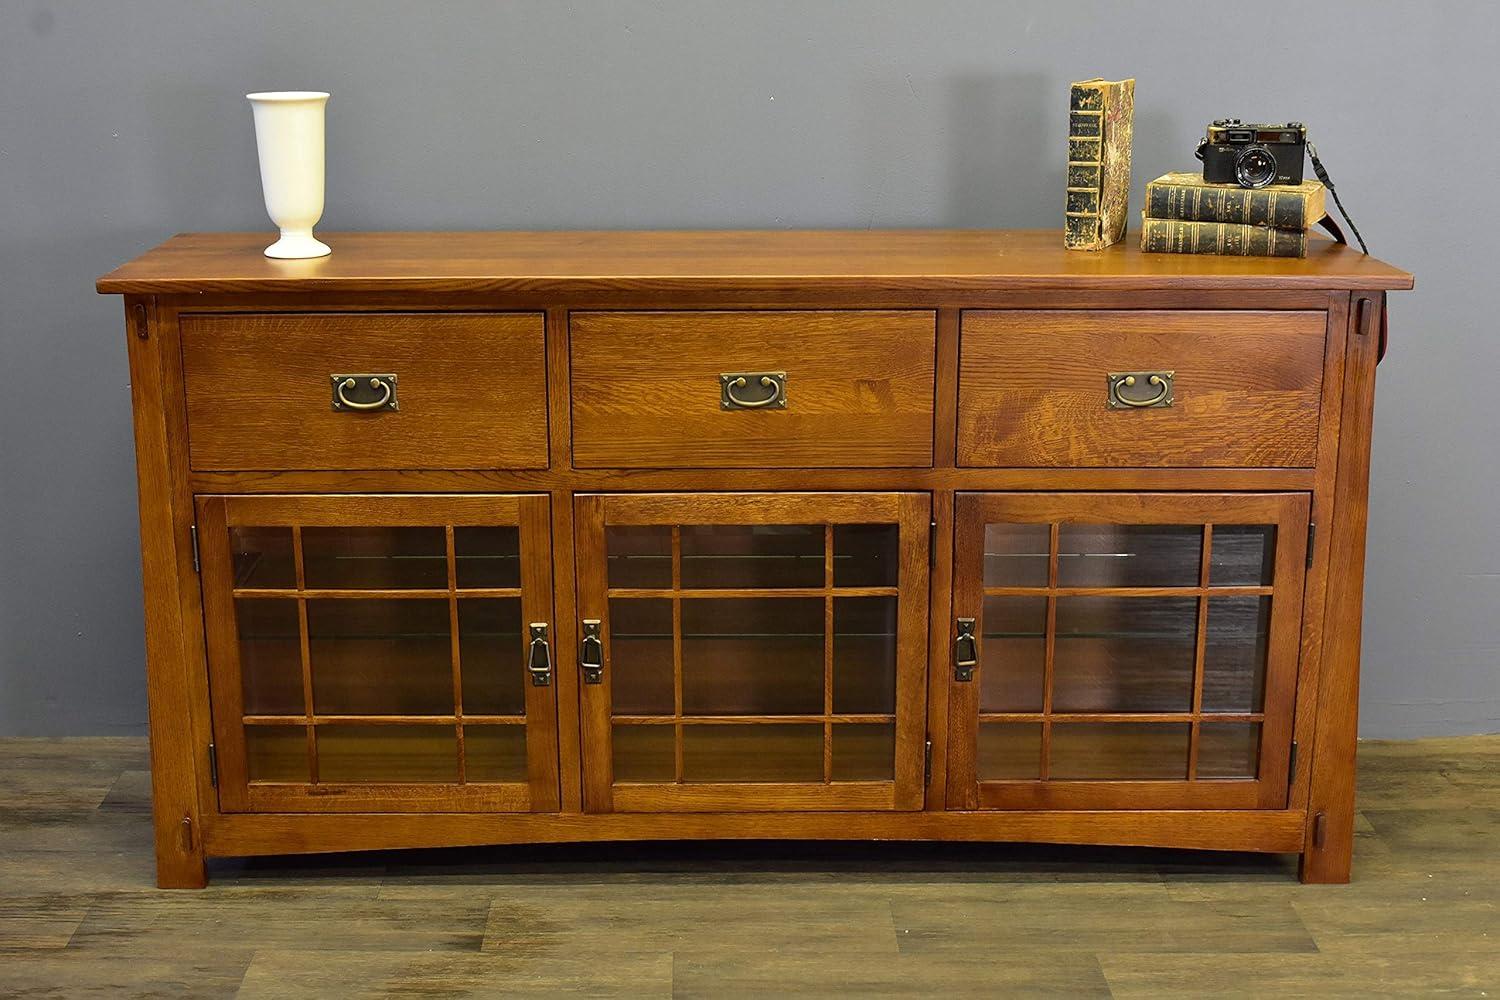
column 1186, row 215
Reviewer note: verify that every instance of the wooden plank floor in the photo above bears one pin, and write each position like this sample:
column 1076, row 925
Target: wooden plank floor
column 79, row 916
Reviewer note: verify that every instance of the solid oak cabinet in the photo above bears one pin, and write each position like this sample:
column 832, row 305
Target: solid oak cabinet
column 486, row 538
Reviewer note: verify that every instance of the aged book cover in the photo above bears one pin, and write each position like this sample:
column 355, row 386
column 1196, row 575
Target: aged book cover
column 1100, row 114
column 1187, row 196
column 1229, row 239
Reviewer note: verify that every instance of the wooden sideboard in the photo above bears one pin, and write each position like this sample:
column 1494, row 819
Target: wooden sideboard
column 488, row 538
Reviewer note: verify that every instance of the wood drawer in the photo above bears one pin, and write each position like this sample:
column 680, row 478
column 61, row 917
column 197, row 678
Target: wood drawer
column 471, row 390
column 1033, row 388
column 647, row 389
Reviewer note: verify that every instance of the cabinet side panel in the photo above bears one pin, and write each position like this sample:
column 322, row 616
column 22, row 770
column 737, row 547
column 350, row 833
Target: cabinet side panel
column 167, row 572
column 1330, row 807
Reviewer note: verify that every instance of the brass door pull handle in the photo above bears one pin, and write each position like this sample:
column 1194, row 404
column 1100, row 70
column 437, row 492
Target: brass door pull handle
column 965, row 651
column 383, row 385
column 539, row 659
column 730, row 382
column 1117, row 400
column 591, row 653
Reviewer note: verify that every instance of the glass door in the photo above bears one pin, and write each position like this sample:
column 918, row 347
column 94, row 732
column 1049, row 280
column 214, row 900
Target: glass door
column 380, row 654
column 752, row 651
column 1125, row 651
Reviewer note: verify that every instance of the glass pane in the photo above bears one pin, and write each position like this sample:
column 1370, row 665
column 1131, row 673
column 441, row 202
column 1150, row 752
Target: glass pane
column 381, row 657
column 775, row 555
column 276, row 753
column 1124, row 654
column 753, row 752
column 1244, row 555
column 492, row 652
column 864, row 751
column 866, row 555
column 1013, row 654
column 640, row 647
column 263, row 557
column 375, row 558
column 1234, row 657
column 1010, row 751
column 864, row 655
column 1120, row 751
column 270, row 656
column 1016, row 555
column 752, row 656
column 487, row 556
column 639, row 555
column 494, row 753
column 644, row 754
column 1229, row 750
column 1129, row 555
column 387, row 753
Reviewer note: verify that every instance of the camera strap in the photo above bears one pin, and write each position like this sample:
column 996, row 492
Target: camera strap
column 1328, row 223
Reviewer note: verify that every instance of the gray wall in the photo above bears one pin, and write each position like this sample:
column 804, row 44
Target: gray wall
column 122, row 123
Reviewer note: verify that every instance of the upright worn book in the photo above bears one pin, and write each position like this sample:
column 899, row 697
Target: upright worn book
column 1099, row 128
column 1189, row 197
column 1227, row 238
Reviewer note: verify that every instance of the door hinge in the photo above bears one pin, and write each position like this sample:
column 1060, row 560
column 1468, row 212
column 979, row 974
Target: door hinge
column 1291, row 765
column 932, row 543
column 1312, row 536
column 213, row 765
column 193, row 533
column 927, row 763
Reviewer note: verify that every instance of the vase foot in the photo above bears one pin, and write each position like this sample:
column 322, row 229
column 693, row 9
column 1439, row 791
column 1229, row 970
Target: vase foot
column 294, row 246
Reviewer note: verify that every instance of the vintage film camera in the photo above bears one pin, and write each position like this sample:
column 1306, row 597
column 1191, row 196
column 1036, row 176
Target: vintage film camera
column 1253, row 156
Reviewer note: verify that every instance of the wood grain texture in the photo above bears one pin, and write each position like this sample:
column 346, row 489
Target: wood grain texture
column 967, row 787
column 539, row 791
column 672, row 262
column 646, row 389
column 79, row 915
column 471, row 388
column 1247, row 387
column 885, row 329
column 167, row 574
column 1331, row 791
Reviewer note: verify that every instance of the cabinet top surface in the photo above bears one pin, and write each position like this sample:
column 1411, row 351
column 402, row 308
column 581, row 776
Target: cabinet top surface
column 700, row 261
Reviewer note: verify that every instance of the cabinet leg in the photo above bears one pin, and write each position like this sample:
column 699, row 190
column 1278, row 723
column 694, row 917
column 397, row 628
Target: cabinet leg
column 180, row 863
column 1329, row 854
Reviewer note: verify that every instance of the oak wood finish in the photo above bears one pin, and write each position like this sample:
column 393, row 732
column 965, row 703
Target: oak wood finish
column 237, row 791
column 78, row 916
column 471, row 389
column 646, row 389
column 916, row 342
column 1246, row 388
column 712, row 262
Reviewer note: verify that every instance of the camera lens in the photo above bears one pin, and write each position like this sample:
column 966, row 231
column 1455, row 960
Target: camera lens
column 1255, row 167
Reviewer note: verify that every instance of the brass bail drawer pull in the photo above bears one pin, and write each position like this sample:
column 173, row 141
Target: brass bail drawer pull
column 732, row 383
column 383, row 387
column 539, row 662
column 1161, row 382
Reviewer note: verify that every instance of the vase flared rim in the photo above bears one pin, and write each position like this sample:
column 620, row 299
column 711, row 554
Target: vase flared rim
column 288, row 95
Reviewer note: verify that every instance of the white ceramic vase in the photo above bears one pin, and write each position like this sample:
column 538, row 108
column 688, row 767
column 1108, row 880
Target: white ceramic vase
column 289, row 138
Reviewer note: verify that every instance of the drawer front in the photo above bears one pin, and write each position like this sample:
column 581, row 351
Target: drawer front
column 649, row 389
column 1232, row 389
column 470, row 391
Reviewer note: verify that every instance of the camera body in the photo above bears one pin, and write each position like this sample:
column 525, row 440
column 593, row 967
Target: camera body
column 1253, row 156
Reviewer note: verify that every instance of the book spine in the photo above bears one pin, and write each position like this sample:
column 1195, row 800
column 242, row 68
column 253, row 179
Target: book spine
column 1239, row 206
column 1226, row 239
column 1082, row 228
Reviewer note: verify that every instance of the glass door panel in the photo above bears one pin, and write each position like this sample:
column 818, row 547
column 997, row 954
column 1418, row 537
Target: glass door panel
column 773, row 643
column 376, row 654
column 1129, row 650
